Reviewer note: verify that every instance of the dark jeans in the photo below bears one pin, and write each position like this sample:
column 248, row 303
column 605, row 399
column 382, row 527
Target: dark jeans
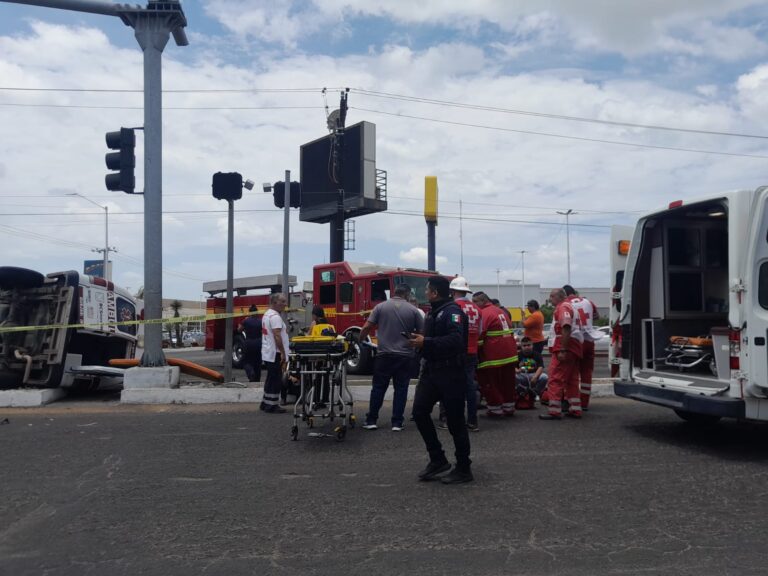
column 272, row 385
column 252, row 367
column 442, row 386
column 396, row 367
column 470, row 369
column 539, row 346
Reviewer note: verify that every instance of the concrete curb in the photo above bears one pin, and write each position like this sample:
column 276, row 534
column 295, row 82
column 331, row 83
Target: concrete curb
column 30, row 398
column 600, row 389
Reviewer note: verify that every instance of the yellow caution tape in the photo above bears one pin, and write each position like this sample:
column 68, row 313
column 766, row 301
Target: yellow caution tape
column 170, row 320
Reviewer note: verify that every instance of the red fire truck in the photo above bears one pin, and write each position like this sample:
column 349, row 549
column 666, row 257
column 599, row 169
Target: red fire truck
column 347, row 292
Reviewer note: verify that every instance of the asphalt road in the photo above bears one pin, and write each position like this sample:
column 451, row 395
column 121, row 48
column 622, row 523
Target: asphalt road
column 97, row 488
column 215, row 360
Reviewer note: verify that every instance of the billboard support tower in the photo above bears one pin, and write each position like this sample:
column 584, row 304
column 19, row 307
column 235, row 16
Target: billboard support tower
column 337, row 222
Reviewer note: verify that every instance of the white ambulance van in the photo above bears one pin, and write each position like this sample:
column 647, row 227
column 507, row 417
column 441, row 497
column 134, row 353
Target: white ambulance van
column 691, row 308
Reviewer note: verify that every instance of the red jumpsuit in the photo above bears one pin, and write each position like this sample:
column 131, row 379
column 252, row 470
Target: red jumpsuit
column 564, row 374
column 497, row 356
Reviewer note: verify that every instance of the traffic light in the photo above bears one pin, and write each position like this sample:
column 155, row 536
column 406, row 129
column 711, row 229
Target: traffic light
column 227, row 186
column 123, row 161
column 279, row 194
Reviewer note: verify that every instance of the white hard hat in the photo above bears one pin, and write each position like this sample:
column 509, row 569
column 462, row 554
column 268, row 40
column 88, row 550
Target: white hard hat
column 459, row 284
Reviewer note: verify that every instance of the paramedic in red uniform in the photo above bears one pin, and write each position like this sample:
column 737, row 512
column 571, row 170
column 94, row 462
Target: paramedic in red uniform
column 497, row 358
column 587, row 312
column 565, row 348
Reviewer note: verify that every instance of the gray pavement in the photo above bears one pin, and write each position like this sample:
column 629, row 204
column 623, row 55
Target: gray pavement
column 94, row 487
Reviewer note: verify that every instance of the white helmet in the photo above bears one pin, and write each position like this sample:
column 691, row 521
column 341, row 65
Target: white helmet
column 459, row 284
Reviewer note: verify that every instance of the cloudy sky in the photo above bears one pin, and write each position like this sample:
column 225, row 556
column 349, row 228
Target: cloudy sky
column 521, row 109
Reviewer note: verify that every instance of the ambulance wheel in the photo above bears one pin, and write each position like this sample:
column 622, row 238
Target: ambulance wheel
column 359, row 358
column 698, row 419
column 20, row 278
column 295, row 432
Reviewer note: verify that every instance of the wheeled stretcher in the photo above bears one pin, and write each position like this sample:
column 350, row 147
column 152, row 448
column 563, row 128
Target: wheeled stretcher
column 319, row 362
column 689, row 352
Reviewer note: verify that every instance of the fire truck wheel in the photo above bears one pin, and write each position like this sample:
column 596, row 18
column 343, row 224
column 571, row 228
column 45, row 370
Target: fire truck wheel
column 238, row 351
column 359, row 358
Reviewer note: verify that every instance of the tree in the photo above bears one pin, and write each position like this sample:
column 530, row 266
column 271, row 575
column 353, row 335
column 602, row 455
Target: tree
column 547, row 310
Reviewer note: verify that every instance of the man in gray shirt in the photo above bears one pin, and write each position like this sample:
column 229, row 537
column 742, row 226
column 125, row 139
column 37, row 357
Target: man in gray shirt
column 394, row 356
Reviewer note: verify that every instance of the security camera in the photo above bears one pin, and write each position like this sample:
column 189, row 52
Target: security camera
column 248, row 184
column 267, row 186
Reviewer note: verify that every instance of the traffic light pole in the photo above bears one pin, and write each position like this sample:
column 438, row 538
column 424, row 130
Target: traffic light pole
column 286, row 232
column 153, row 25
column 152, row 36
column 229, row 322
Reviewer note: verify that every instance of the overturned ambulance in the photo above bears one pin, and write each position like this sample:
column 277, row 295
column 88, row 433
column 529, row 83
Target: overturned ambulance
column 69, row 328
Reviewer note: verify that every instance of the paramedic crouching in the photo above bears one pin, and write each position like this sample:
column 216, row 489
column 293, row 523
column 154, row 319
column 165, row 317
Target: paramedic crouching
column 443, row 347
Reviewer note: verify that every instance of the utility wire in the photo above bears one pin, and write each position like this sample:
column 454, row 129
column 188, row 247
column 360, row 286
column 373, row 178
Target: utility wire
column 563, row 136
column 383, row 95
column 167, row 91
column 220, row 108
column 452, row 104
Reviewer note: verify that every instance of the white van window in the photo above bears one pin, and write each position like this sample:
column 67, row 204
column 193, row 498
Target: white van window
column 762, row 285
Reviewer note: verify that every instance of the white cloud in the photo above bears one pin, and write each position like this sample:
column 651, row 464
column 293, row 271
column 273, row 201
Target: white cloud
column 630, row 28
column 418, row 255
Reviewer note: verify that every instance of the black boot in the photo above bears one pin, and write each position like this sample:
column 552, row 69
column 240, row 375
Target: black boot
column 433, row 469
column 458, row 476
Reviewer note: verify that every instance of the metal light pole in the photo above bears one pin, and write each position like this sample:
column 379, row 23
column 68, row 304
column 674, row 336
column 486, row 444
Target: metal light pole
column 152, row 25
column 107, row 272
column 522, row 255
column 567, row 213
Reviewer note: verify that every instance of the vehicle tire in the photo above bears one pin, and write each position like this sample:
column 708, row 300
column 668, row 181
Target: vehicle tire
column 14, row 277
column 698, row 419
column 10, row 380
column 359, row 359
column 238, row 351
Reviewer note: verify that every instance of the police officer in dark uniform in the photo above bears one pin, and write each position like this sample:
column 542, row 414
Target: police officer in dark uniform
column 443, row 348
column 251, row 326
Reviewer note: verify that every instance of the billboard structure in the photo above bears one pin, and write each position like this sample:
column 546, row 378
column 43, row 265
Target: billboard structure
column 363, row 192
column 95, row 267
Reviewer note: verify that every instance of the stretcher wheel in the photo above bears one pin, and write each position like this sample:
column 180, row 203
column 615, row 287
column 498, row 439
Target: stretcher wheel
column 352, row 420
column 311, row 422
column 341, row 432
column 295, row 432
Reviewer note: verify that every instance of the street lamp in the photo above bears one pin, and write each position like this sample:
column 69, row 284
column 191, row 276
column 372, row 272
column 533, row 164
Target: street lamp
column 522, row 255
column 567, row 213
column 106, row 274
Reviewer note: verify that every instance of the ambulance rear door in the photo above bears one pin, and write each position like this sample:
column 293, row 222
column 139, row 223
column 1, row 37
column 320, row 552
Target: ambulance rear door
column 621, row 237
column 752, row 295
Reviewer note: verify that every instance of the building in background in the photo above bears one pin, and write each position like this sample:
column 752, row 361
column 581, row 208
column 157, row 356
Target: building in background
column 512, row 295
